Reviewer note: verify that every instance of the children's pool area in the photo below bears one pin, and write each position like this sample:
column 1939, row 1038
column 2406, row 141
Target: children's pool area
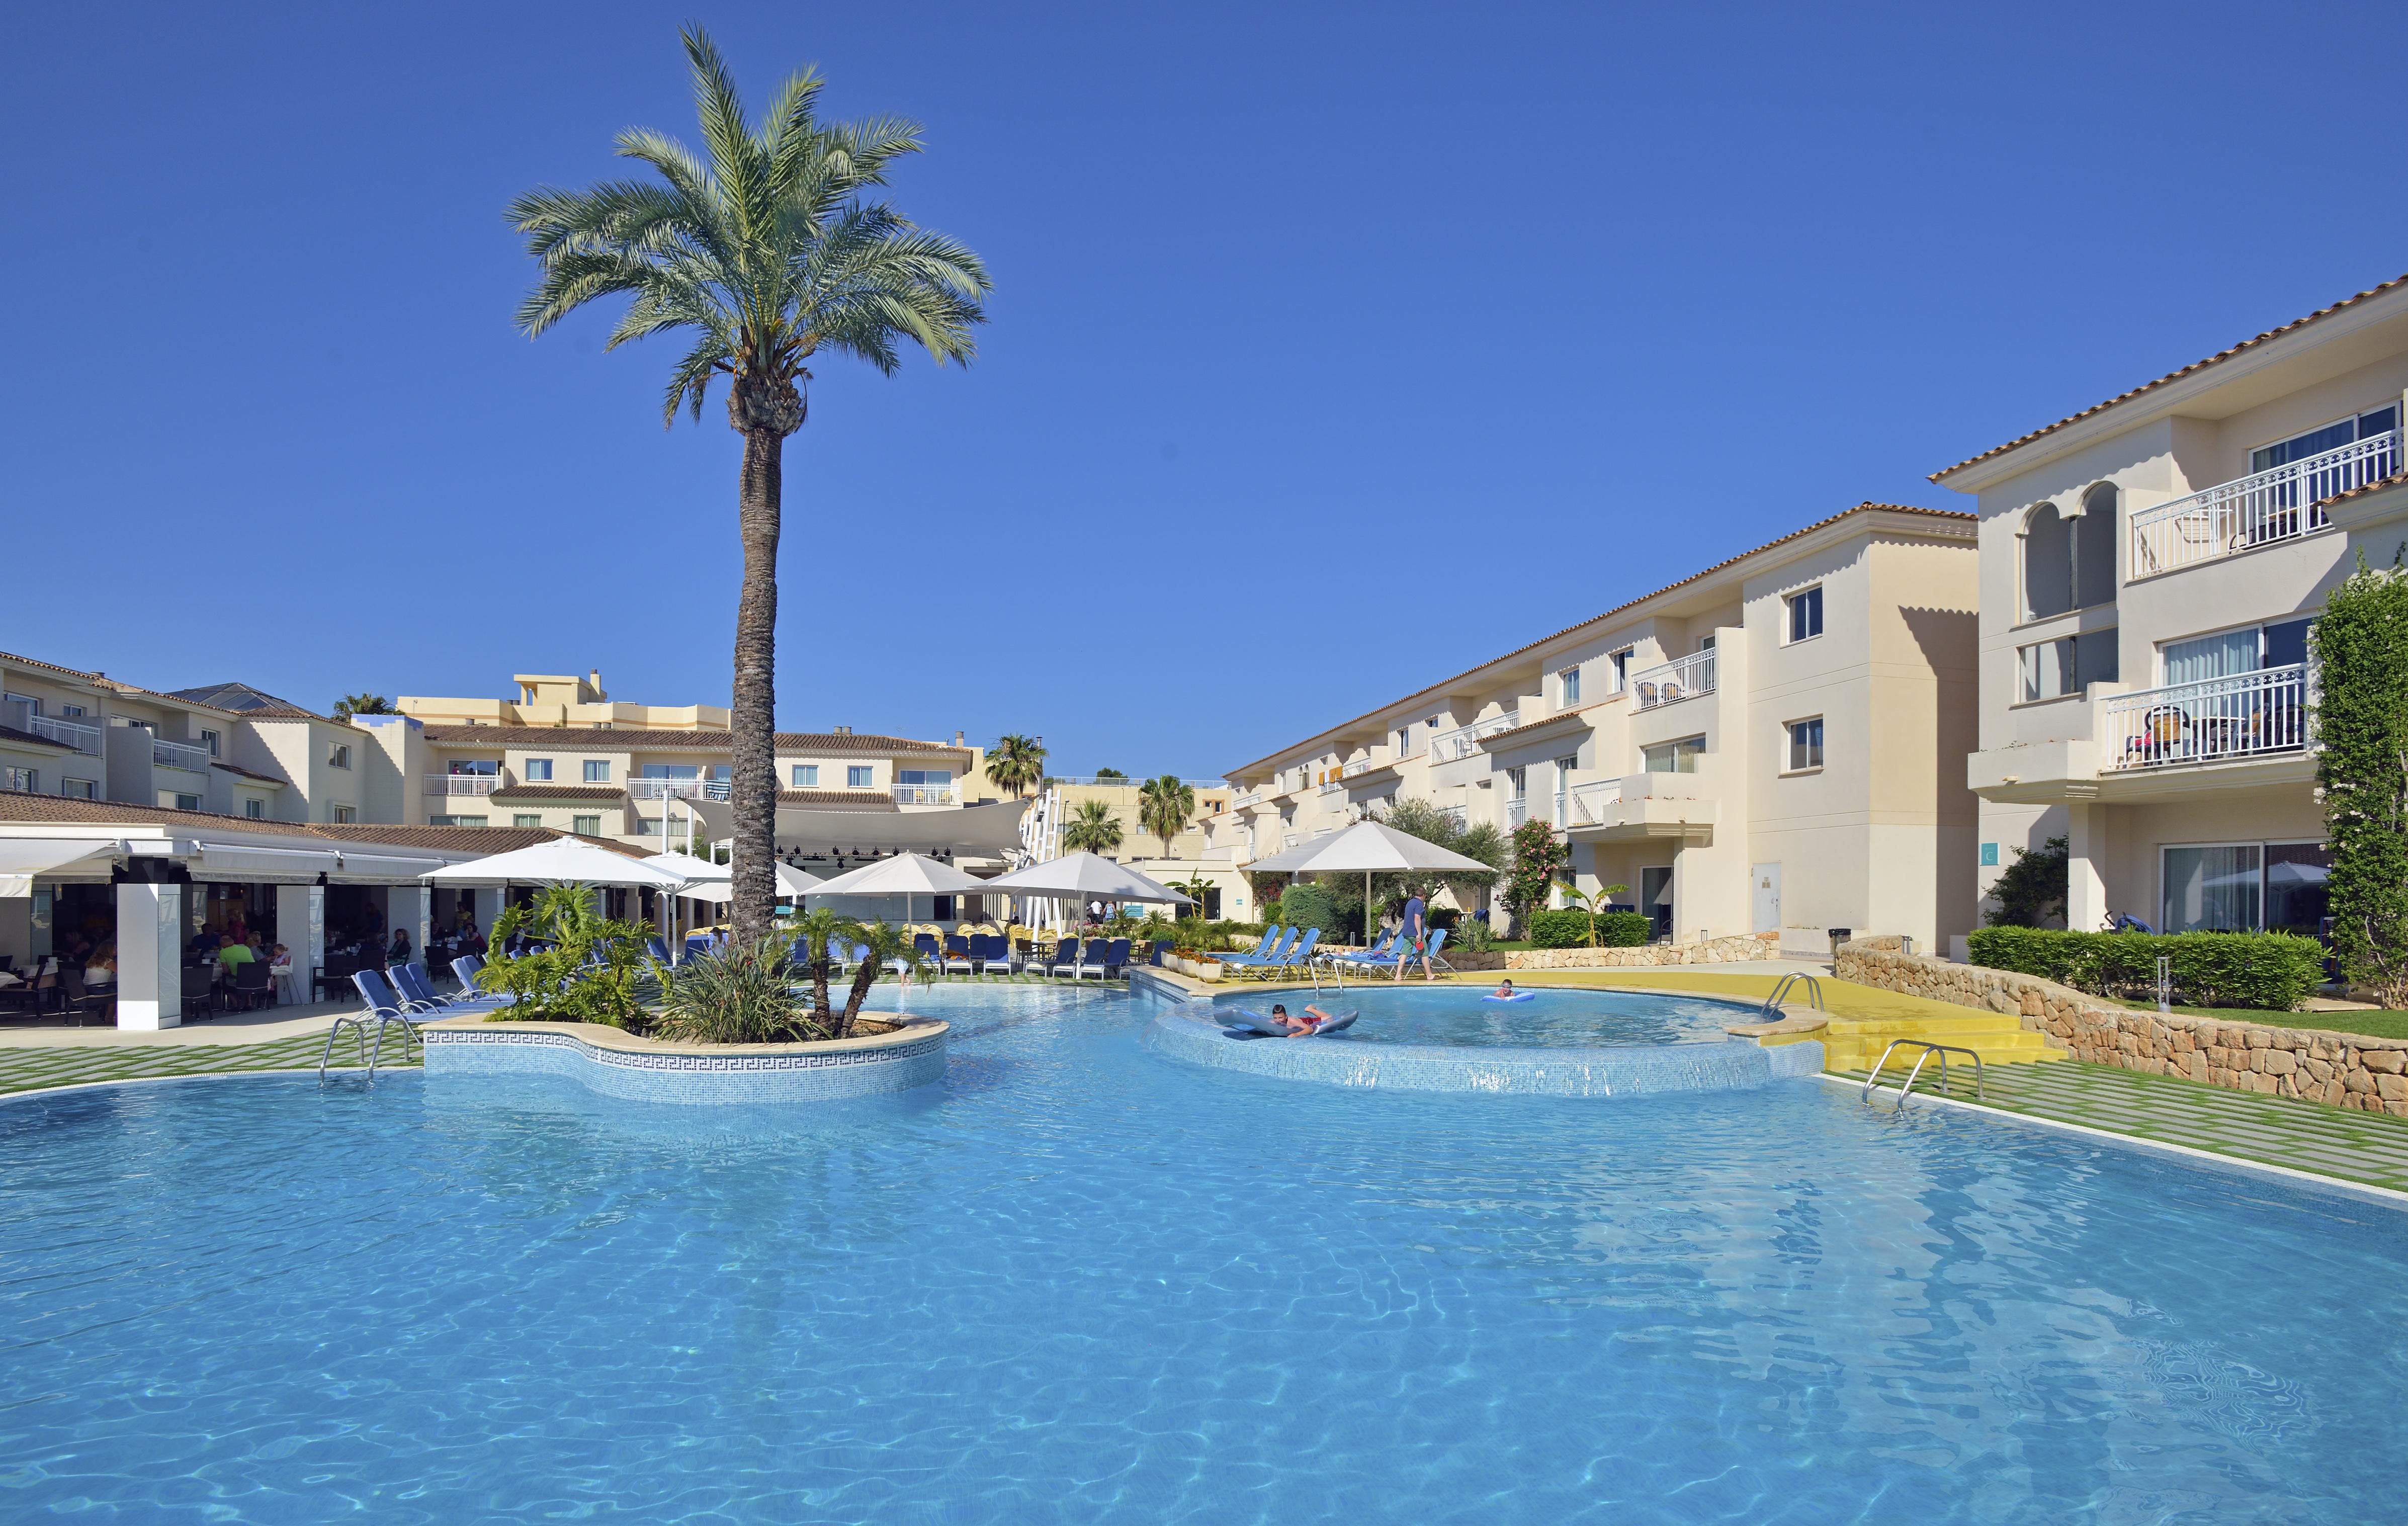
column 1082, row 1279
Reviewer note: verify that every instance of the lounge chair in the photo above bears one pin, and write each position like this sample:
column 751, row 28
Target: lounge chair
column 658, row 948
column 1065, row 956
column 992, row 952
column 1277, row 954
column 420, row 995
column 1271, row 936
column 925, row 946
column 1373, row 954
column 384, row 1007
column 958, row 953
column 1106, row 961
column 1403, row 953
column 1296, row 955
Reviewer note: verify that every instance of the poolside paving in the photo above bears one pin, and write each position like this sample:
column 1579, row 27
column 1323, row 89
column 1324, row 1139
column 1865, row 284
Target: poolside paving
column 2364, row 1147
column 33, row 1069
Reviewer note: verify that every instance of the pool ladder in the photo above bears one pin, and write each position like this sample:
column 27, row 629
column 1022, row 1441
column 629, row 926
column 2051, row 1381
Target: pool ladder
column 1929, row 1049
column 1780, row 993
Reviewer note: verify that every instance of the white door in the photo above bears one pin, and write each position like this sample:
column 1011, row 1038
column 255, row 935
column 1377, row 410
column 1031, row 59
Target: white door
column 1767, row 880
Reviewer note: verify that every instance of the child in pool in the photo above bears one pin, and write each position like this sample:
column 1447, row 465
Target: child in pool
column 1304, row 1027
column 1504, row 992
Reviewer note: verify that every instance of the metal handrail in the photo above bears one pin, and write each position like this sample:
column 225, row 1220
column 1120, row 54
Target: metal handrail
column 1929, row 1049
column 1813, row 987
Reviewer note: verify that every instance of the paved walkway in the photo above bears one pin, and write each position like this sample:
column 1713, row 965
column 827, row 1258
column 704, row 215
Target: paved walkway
column 225, row 1028
column 2365, row 1148
column 32, row 1070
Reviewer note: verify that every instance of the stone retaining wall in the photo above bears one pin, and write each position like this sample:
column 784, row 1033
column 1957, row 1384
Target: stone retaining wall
column 1758, row 946
column 2345, row 1069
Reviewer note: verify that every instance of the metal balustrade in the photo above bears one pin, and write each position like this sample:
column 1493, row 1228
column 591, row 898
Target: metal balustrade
column 1669, row 683
column 1464, row 741
column 75, row 734
column 461, row 783
column 2256, row 510
column 2212, row 721
column 1516, row 811
column 1251, row 796
column 677, row 790
column 923, row 793
column 177, row 754
column 1591, row 804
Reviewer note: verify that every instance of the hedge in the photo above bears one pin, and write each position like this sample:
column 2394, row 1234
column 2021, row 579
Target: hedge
column 1569, row 930
column 2270, row 971
column 1310, row 906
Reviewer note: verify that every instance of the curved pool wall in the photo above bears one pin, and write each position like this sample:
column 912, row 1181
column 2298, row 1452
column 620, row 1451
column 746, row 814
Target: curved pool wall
column 1190, row 1032
column 617, row 1066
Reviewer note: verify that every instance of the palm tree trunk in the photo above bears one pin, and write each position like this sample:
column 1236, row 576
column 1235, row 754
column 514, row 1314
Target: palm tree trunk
column 753, row 718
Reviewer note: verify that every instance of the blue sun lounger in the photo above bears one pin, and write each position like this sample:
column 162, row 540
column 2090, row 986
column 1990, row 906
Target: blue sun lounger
column 1277, row 956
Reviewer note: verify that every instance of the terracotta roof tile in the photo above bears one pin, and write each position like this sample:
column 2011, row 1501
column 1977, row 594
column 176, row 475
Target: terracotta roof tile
column 1958, row 516
column 54, row 808
column 840, row 800
column 105, row 682
column 578, row 794
column 2244, row 346
column 631, row 739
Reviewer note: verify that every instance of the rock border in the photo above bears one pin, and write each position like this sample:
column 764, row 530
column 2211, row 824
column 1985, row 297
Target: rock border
column 2341, row 1069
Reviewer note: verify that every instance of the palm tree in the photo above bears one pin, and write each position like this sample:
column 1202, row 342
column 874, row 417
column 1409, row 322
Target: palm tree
column 1017, row 763
column 1165, row 806
column 362, row 703
column 763, row 252
column 1093, row 829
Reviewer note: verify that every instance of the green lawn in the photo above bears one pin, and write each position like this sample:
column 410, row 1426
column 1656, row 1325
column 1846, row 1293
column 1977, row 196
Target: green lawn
column 2376, row 1025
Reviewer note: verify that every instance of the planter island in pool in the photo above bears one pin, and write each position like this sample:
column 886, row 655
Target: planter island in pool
column 613, row 1061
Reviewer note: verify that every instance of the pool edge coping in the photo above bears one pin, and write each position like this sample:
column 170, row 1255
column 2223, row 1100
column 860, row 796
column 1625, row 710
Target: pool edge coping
column 2388, row 1197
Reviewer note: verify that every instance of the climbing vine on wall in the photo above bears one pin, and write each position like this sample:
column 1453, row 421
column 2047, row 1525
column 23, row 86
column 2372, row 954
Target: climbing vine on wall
column 2360, row 645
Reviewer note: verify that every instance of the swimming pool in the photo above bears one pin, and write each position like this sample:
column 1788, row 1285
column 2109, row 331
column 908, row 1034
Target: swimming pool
column 1077, row 1281
column 1549, row 1019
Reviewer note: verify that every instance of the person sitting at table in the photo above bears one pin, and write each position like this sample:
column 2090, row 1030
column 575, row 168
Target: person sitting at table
column 100, row 966
column 231, row 954
column 399, row 952
column 204, row 945
column 287, row 979
column 471, row 941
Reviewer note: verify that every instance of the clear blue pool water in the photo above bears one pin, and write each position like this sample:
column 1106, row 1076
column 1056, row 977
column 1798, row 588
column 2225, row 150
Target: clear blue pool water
column 1081, row 1283
column 1549, row 1019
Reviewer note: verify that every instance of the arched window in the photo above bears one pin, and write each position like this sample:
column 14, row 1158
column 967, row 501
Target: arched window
column 2048, row 563
column 2094, row 547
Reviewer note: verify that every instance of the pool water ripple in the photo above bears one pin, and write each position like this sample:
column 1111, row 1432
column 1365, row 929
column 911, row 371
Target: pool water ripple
column 1094, row 1284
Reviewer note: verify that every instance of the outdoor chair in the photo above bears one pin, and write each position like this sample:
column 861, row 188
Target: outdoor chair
column 1373, row 954
column 420, row 993
column 251, row 989
column 1106, row 960
column 81, row 1003
column 381, row 1006
column 1646, row 695
column 1271, row 936
column 658, row 948
column 958, row 953
column 1299, row 958
column 1065, row 956
column 925, row 946
column 1278, row 955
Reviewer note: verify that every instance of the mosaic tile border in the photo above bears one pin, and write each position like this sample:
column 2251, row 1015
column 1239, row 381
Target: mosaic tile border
column 685, row 1077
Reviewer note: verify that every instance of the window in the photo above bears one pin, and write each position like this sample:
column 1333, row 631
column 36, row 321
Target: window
column 1805, row 613
column 807, row 776
column 934, row 778
column 80, row 790
column 585, row 825
column 22, row 780
column 597, row 771
column 2069, row 558
column 526, row 818
column 2246, row 886
column 347, row 812
column 538, row 771
column 856, row 777
column 2332, row 437
column 209, row 741
column 455, row 821
column 477, row 769
column 2066, row 666
column 1674, row 756
column 339, row 755
column 1568, row 682
column 33, row 706
column 257, row 811
column 1518, row 781
column 1620, row 661
column 1405, row 740
column 187, row 803
column 2231, row 652
column 1805, row 745
column 648, row 825
column 1564, row 767
column 73, row 712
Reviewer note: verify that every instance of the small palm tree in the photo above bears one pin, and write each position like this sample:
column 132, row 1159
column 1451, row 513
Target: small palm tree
column 1094, row 829
column 764, row 252
column 1165, row 807
column 1017, row 763
column 1594, row 902
column 1194, row 887
column 362, row 704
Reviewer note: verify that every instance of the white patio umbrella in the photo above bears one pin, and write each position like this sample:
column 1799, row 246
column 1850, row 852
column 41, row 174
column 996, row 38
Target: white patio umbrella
column 563, row 860
column 1082, row 877
column 1370, row 848
column 905, row 875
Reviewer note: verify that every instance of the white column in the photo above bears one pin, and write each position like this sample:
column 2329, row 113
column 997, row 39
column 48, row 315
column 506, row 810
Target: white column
column 301, row 927
column 487, row 906
column 2085, row 875
column 150, row 957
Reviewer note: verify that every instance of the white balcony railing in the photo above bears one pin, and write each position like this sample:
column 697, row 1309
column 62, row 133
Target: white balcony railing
column 1592, row 804
column 646, row 788
column 1362, row 766
column 1683, row 678
column 2214, row 721
column 1464, row 741
column 177, row 754
column 461, row 783
column 1455, row 816
column 1251, row 796
column 75, row 734
column 2256, row 510
column 1329, row 786
column 924, row 795
column 1516, row 811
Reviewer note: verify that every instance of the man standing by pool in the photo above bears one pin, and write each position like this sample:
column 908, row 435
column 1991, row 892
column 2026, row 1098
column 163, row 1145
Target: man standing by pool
column 1414, row 944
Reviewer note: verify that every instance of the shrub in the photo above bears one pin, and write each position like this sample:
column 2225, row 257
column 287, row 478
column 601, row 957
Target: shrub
column 2032, row 888
column 738, row 995
column 2361, row 726
column 1310, row 906
column 1274, row 913
column 2271, row 971
column 1559, row 929
column 1471, row 935
column 596, row 971
column 1446, row 917
column 1537, row 857
column 1624, row 930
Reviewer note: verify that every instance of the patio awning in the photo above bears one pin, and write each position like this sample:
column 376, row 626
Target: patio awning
column 246, row 859
column 23, row 858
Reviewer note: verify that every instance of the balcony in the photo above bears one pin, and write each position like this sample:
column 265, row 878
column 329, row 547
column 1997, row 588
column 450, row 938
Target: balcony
column 177, row 754
column 1669, row 683
column 1251, row 796
column 677, row 789
column 1361, row 766
column 75, row 734
column 924, row 795
column 2218, row 720
column 1464, row 741
column 460, row 783
column 1517, row 810
column 1329, row 786
column 2257, row 510
column 1592, row 804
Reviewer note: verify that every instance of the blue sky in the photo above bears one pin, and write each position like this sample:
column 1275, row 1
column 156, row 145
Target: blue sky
column 1339, row 348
